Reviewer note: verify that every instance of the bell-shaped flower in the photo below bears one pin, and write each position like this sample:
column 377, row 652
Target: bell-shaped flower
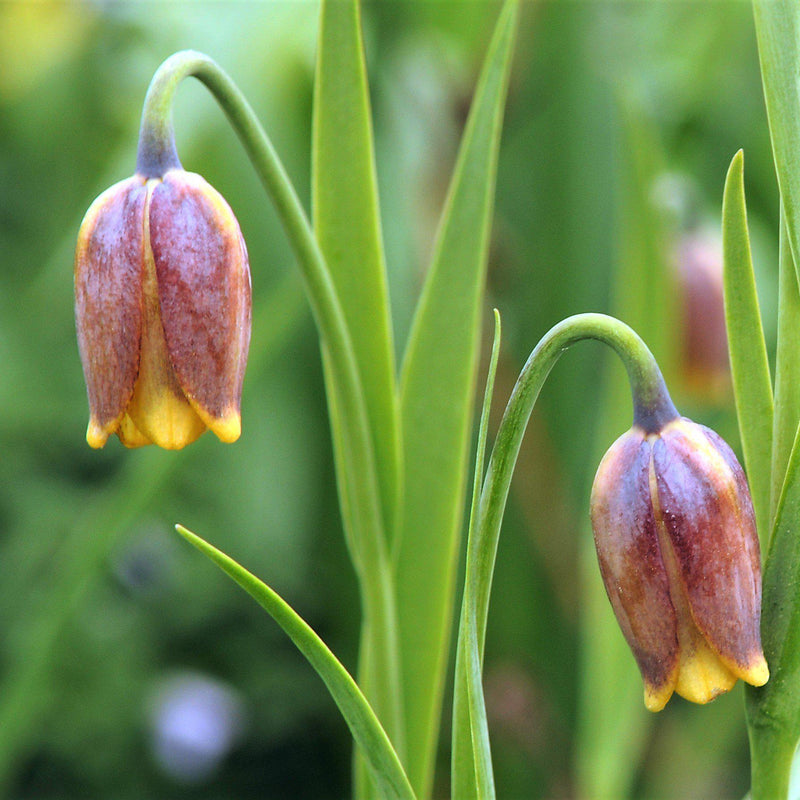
column 676, row 540
column 162, row 308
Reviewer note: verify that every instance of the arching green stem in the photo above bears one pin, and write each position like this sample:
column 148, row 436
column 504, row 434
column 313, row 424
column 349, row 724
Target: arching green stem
column 652, row 408
column 367, row 542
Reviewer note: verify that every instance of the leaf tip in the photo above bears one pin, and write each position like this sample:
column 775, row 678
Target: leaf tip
column 190, row 537
column 737, row 164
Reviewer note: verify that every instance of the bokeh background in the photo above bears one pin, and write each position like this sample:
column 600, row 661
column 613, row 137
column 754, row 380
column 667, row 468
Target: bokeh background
column 130, row 667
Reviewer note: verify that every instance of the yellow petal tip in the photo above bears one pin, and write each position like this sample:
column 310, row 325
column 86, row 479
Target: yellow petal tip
column 758, row 674
column 703, row 675
column 228, row 428
column 656, row 698
column 96, row 435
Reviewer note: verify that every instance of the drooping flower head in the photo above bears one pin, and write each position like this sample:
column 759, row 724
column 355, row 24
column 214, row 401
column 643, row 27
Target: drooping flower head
column 162, row 308
column 679, row 555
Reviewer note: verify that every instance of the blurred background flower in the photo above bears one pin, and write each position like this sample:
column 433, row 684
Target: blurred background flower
column 98, row 603
column 194, row 723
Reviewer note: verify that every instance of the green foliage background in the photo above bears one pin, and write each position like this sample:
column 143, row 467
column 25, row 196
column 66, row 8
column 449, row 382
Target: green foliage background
column 100, row 601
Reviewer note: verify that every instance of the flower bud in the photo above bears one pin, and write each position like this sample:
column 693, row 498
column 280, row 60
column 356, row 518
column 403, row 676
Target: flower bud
column 162, row 309
column 704, row 341
column 676, row 540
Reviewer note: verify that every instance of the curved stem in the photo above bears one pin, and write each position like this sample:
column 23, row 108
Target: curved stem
column 367, row 543
column 652, row 408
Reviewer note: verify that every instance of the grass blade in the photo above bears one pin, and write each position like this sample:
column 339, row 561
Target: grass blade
column 346, row 219
column 364, row 725
column 773, row 710
column 471, row 768
column 778, row 33
column 752, row 386
column 437, row 390
column 347, row 226
column 787, row 369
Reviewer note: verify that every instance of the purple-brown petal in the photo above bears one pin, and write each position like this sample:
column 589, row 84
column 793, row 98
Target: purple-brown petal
column 109, row 262
column 204, row 290
column 630, row 562
column 708, row 515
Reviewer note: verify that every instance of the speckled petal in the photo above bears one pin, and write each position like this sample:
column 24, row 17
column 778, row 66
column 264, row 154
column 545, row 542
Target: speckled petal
column 108, row 302
column 631, row 565
column 204, row 290
column 709, row 518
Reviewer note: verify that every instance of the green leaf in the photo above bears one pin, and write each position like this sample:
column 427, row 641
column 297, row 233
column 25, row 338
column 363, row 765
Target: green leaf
column 471, row 768
column 748, row 353
column 773, row 710
column 364, row 725
column 347, row 226
column 787, row 369
column 437, row 391
column 778, row 33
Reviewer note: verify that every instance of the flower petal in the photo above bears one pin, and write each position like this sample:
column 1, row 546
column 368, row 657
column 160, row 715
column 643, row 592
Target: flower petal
column 158, row 407
column 708, row 515
column 631, row 565
column 108, row 303
column 204, row 290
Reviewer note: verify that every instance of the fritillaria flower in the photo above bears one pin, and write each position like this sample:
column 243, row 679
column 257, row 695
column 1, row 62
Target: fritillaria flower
column 162, row 308
column 676, row 540
column 704, row 347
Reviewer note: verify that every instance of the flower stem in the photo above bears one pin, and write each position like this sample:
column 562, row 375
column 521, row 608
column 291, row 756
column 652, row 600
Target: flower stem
column 368, row 541
column 652, row 408
column 771, row 756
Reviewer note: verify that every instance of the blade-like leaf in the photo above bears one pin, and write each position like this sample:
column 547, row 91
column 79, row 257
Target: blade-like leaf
column 364, row 725
column 773, row 710
column 778, row 33
column 787, row 369
column 347, row 225
column 437, row 389
column 748, row 353
column 471, row 768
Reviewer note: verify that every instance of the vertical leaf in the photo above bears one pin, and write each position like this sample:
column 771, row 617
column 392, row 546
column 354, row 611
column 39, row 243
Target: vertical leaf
column 748, row 353
column 347, row 226
column 773, row 710
column 437, row 390
column 778, row 32
column 471, row 757
column 787, row 369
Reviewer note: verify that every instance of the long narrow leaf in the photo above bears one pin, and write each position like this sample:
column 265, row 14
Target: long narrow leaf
column 347, row 226
column 787, row 369
column 748, row 352
column 773, row 710
column 437, row 390
column 364, row 725
column 778, row 32
column 471, row 767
